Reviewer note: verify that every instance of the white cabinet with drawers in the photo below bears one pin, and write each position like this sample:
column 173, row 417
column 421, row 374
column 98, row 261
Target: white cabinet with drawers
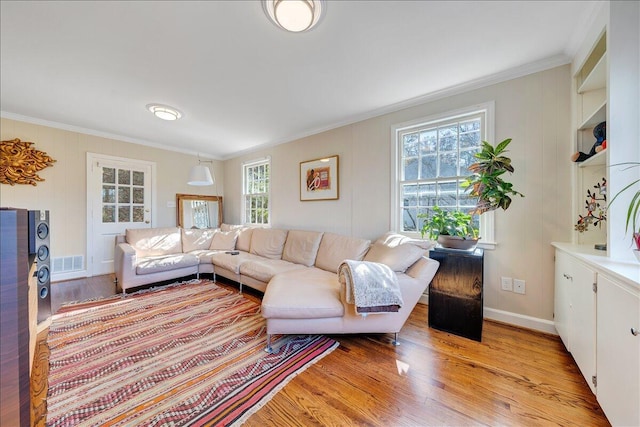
column 575, row 312
column 618, row 352
column 597, row 315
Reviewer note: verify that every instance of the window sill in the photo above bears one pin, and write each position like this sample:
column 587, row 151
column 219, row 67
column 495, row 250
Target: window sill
column 487, row 245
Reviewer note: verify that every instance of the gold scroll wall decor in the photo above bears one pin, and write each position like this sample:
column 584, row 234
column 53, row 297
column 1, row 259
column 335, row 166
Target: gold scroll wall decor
column 19, row 162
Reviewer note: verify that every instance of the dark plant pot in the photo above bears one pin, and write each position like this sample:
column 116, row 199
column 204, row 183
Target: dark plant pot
column 456, row 242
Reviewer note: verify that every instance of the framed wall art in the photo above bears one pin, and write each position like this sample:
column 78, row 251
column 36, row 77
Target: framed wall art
column 319, row 179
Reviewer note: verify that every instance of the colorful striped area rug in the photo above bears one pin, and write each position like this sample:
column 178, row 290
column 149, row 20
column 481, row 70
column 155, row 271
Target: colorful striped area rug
column 190, row 354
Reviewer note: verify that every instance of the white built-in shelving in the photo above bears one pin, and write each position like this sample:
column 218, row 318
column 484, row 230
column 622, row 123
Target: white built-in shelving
column 591, row 109
column 596, row 77
column 598, row 159
column 598, row 116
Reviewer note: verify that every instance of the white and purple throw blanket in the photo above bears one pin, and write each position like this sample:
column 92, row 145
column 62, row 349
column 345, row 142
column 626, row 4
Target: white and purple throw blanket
column 372, row 287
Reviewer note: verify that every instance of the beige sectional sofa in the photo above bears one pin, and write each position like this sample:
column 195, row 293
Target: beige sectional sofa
column 296, row 270
column 151, row 255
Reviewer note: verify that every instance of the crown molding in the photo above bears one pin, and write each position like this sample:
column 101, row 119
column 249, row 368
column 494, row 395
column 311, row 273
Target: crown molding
column 101, row 134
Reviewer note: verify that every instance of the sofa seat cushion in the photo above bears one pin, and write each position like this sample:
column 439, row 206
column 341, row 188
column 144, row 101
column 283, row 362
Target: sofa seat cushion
column 151, row 242
column 309, row 293
column 231, row 262
column 157, row 264
column 264, row 269
column 204, row 256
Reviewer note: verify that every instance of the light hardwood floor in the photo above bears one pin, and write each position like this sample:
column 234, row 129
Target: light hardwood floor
column 514, row 377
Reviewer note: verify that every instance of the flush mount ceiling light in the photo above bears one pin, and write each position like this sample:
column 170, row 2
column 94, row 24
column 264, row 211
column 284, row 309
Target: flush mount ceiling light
column 294, row 15
column 164, row 112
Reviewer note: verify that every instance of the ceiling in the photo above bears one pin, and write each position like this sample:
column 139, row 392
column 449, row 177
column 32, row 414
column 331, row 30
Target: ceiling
column 242, row 83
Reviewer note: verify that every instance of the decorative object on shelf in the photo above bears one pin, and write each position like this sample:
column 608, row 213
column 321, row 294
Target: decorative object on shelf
column 295, row 16
column 600, row 133
column 486, row 183
column 596, row 213
column 452, row 229
column 19, row 162
column 319, row 179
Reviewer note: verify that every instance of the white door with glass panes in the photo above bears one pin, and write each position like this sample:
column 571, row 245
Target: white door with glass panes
column 119, row 197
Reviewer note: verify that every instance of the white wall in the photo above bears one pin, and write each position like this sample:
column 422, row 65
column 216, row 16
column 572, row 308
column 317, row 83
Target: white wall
column 623, row 51
column 533, row 110
column 63, row 191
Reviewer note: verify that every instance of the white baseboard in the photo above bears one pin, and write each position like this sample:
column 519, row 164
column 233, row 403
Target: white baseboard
column 521, row 320
column 59, row 277
column 515, row 319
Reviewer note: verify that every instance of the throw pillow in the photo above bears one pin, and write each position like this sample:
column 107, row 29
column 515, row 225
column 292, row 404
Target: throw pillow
column 398, row 258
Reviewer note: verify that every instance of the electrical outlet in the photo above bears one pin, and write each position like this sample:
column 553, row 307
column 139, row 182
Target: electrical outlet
column 519, row 286
column 507, row 284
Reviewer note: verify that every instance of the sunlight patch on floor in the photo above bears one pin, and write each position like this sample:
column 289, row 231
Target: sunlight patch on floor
column 403, row 368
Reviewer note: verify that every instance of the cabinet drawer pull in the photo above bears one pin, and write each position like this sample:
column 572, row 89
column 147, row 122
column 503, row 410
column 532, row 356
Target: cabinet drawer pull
column 634, row 332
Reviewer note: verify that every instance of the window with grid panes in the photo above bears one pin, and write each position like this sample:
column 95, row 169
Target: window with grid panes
column 433, row 161
column 256, row 189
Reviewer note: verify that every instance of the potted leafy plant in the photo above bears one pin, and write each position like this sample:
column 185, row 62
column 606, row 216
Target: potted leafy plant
column 486, row 182
column 452, row 229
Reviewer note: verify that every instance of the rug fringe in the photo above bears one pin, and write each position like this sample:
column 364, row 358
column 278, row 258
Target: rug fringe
column 255, row 408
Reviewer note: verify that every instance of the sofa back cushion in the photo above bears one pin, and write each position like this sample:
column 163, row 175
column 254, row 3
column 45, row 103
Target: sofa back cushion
column 155, row 241
column 268, row 242
column 194, row 239
column 244, row 235
column 335, row 248
column 224, row 240
column 301, row 247
column 244, row 239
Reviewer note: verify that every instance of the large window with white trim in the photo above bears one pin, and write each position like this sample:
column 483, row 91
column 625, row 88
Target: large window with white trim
column 256, row 188
column 432, row 157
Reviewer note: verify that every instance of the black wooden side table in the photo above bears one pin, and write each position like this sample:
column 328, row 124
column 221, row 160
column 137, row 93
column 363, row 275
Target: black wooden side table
column 455, row 293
